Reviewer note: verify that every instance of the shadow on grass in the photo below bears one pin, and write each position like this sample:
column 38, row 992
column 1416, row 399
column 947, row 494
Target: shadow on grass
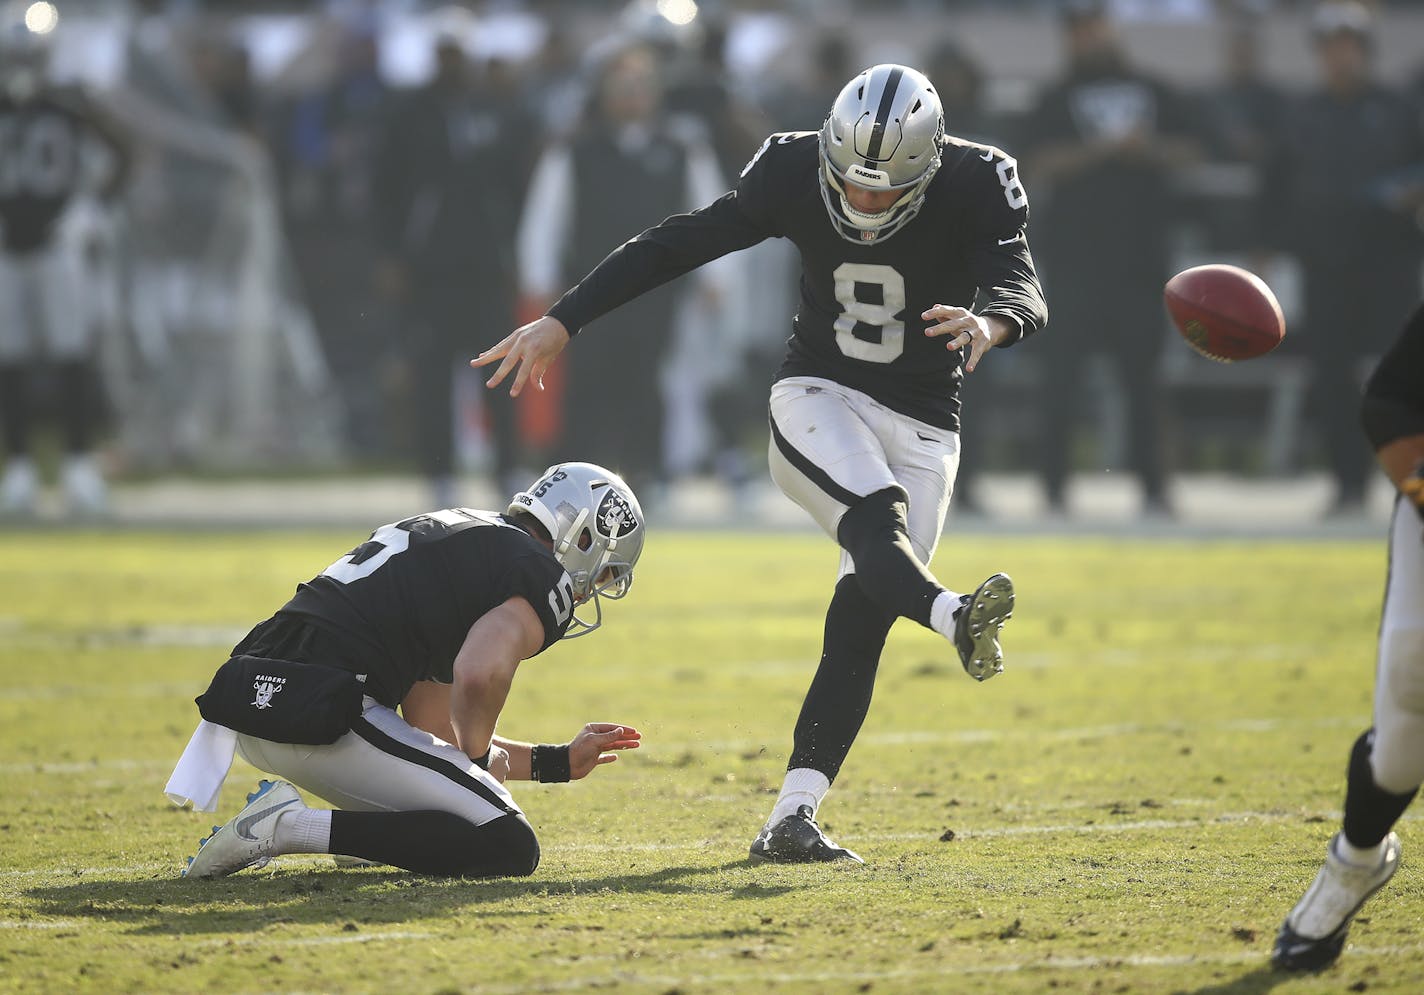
column 1254, row 982
column 253, row 902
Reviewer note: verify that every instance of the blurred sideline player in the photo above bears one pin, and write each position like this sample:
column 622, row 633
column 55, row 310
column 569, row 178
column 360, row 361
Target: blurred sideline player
column 46, row 139
column 432, row 614
column 1387, row 763
column 899, row 227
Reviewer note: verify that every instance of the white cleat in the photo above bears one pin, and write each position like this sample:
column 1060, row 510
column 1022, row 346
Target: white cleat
column 1314, row 933
column 20, row 487
column 247, row 839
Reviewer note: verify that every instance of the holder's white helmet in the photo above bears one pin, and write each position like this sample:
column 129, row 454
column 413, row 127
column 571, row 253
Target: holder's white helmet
column 597, row 527
column 883, row 133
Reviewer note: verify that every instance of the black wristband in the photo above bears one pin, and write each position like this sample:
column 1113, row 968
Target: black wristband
column 549, row 764
column 483, row 762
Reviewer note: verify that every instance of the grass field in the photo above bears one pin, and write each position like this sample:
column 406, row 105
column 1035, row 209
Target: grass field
column 1133, row 805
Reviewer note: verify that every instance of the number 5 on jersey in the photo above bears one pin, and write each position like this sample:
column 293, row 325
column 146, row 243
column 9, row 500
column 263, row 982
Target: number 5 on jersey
column 561, row 599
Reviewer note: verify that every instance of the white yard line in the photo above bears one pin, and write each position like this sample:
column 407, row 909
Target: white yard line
column 736, row 843
column 899, row 738
column 623, row 979
column 84, row 767
column 71, row 692
column 1114, row 730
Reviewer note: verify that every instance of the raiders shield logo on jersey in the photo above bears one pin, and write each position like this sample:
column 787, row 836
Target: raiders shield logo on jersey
column 266, row 686
column 614, row 518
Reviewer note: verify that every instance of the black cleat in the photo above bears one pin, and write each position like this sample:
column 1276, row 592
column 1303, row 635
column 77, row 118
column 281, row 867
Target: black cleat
column 1328, row 908
column 976, row 627
column 797, row 839
column 1294, row 952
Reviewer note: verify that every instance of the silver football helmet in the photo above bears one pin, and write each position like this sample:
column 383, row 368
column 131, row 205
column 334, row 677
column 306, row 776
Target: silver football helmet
column 597, row 527
column 883, row 133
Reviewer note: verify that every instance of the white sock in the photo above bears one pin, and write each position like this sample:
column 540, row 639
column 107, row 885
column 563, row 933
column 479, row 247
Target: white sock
column 1369, row 856
column 307, row 830
column 943, row 612
column 803, row 786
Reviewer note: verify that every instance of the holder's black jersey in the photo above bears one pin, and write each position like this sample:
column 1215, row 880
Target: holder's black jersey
column 405, row 599
column 859, row 321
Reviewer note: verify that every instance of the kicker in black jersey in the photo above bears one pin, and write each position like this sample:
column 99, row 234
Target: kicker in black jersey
column 859, row 318
column 404, row 600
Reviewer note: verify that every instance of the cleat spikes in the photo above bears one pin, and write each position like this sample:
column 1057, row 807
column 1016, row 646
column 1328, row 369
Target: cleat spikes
column 980, row 618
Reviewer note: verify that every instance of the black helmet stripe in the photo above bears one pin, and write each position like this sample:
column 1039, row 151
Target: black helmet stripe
column 882, row 117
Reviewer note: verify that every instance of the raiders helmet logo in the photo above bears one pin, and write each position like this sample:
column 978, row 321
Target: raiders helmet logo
column 614, row 518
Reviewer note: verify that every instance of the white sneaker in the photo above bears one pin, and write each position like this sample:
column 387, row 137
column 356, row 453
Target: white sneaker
column 20, row 487
column 1314, row 933
column 247, row 839
column 84, row 485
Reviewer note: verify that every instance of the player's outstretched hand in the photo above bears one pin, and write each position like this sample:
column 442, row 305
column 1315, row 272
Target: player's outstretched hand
column 966, row 328
column 588, row 749
column 527, row 351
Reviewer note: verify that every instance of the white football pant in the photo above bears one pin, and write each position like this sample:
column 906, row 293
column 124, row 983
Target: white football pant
column 831, row 446
column 42, row 306
column 385, row 765
column 1397, row 758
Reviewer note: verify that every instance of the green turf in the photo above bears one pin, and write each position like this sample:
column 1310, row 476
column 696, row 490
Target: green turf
column 1134, row 805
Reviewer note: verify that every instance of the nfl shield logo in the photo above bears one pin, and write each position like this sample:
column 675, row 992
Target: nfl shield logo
column 868, row 236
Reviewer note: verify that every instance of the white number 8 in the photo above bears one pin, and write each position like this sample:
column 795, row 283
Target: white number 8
column 882, row 316
column 1009, row 180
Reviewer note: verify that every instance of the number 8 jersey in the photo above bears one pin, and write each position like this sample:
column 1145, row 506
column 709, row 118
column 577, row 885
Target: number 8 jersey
column 405, row 599
column 859, row 321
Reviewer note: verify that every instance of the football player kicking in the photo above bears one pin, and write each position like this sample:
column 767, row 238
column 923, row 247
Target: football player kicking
column 899, row 226
column 432, row 614
column 1387, row 763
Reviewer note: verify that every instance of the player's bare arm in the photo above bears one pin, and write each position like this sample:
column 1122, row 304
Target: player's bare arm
column 527, row 352
column 590, row 749
column 484, row 670
column 980, row 332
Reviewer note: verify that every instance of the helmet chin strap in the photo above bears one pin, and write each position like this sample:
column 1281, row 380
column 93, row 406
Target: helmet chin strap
column 567, row 539
column 868, row 221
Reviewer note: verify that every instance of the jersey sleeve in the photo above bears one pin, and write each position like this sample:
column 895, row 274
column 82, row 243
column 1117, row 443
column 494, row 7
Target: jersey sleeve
column 1000, row 261
column 1393, row 405
column 680, row 244
column 542, row 582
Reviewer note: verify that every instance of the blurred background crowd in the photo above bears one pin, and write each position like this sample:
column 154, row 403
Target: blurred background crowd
column 267, row 237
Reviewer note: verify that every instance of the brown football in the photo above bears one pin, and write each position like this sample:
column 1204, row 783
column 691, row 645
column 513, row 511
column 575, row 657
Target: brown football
column 1225, row 312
